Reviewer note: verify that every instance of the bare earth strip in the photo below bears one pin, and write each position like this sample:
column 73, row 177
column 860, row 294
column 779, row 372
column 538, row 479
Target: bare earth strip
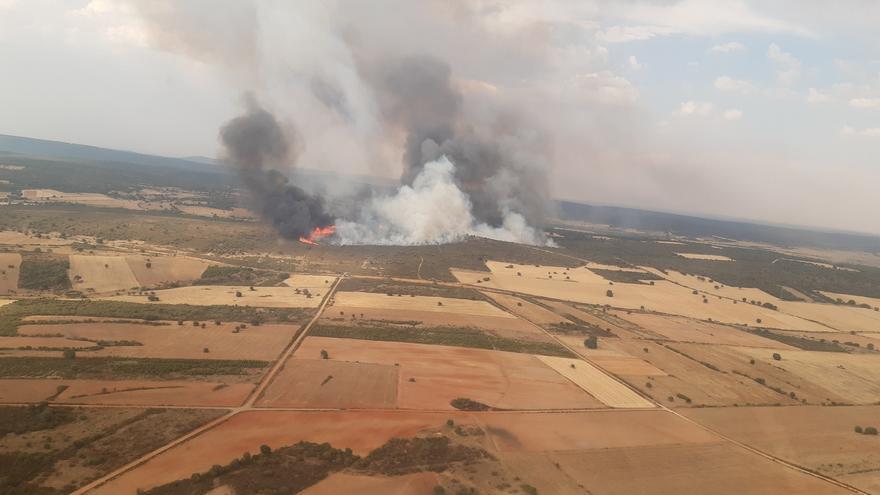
column 815, row 437
column 418, row 303
column 327, row 383
column 408, row 484
column 4, row 302
column 9, row 269
column 431, row 376
column 265, row 297
column 596, row 383
column 709, row 257
column 101, row 273
column 165, row 269
column 263, row 342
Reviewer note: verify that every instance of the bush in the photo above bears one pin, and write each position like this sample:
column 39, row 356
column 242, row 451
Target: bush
column 870, row 430
column 609, row 293
column 69, row 354
column 858, row 429
column 265, row 449
column 591, row 342
column 777, row 356
column 325, row 354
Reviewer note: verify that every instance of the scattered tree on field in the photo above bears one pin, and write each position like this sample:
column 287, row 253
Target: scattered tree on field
column 609, row 293
column 325, row 354
column 777, row 356
column 858, row 429
column 591, row 342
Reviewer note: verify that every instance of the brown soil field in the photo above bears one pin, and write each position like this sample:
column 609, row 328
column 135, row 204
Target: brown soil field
column 408, row 484
column 680, row 329
column 854, row 377
column 439, row 374
column 527, row 310
column 605, row 430
column 265, row 297
column 815, row 437
column 667, row 297
column 596, row 383
column 48, row 342
column 328, row 383
column 264, row 342
column 245, row 432
column 418, row 303
column 9, row 265
column 626, row 366
column 165, row 269
column 514, row 328
column 709, row 257
column 687, row 376
column 718, row 468
column 101, row 273
column 127, row 392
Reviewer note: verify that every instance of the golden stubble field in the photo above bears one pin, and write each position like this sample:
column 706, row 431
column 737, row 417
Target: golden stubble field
column 9, row 270
column 584, row 286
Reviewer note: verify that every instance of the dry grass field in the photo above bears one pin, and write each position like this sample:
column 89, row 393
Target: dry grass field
column 330, row 383
column 418, row 303
column 7, row 343
column 101, row 274
column 9, row 269
column 680, row 329
column 264, row 342
column 819, row 438
column 431, row 376
column 261, row 297
column 596, row 383
column 165, row 269
column 529, row 311
column 707, row 257
column 838, row 317
column 127, row 392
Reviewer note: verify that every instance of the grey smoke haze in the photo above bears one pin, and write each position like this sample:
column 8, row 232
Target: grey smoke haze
column 375, row 95
column 253, row 141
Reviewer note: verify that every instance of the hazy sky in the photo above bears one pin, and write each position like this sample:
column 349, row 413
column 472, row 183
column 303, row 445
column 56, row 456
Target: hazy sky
column 767, row 110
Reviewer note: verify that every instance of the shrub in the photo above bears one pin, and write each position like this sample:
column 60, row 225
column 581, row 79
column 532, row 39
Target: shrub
column 609, row 293
column 439, row 490
column 591, row 342
column 206, row 350
column 149, row 265
column 325, row 354
column 152, row 298
column 265, row 449
column 858, row 429
column 69, row 354
column 777, row 356
column 238, row 293
column 870, row 430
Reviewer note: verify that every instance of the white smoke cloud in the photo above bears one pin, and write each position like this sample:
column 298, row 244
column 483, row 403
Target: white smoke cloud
column 433, row 210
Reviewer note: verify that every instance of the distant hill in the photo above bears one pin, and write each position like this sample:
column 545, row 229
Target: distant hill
column 56, row 149
column 691, row 226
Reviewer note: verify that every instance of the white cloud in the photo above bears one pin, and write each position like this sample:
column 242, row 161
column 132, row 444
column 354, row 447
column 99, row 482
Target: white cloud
column 733, row 114
column 866, row 132
column 730, row 47
column 789, row 66
column 624, row 34
column 816, row 96
column 698, row 108
column 634, row 63
column 865, row 103
column 725, row 83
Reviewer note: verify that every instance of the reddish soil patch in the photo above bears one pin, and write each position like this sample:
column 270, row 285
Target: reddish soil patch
column 326, row 383
column 245, row 432
column 410, row 484
column 431, row 375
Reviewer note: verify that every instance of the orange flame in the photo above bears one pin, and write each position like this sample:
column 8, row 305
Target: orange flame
column 318, row 233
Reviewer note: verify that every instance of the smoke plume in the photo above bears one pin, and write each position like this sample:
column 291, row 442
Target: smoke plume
column 469, row 162
column 254, row 141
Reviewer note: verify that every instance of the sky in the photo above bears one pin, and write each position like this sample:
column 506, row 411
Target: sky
column 762, row 110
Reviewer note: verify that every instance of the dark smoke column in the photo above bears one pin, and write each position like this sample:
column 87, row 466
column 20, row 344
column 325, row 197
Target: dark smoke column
column 255, row 140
